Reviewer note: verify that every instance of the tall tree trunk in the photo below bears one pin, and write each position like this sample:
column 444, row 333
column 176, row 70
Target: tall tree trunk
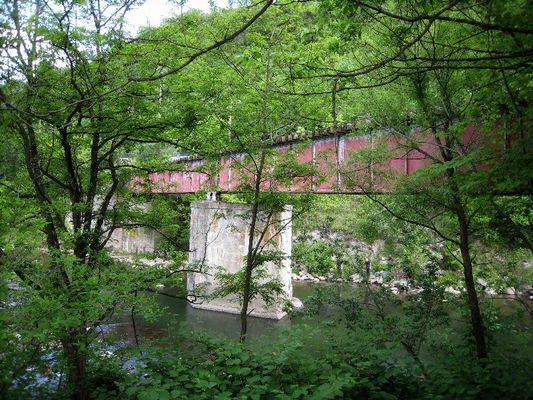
column 77, row 367
column 473, row 303
column 251, row 253
column 250, row 259
column 476, row 320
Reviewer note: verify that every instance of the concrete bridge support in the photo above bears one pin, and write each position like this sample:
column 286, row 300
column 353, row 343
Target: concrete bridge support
column 218, row 240
column 133, row 240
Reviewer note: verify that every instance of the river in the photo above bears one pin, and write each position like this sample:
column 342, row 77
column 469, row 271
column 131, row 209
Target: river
column 177, row 312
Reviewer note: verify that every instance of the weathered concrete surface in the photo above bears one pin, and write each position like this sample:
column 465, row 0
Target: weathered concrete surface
column 219, row 238
column 133, row 240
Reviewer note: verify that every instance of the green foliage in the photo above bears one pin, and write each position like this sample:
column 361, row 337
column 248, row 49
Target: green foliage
column 328, row 361
column 77, row 126
column 315, row 257
column 261, row 285
column 419, row 331
column 222, row 369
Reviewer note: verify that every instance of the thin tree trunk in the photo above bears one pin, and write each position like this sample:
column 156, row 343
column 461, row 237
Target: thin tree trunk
column 248, row 277
column 247, row 280
column 250, row 254
column 473, row 302
column 476, row 320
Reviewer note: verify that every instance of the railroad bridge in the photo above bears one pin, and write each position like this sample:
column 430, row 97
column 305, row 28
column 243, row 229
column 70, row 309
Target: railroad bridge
column 219, row 231
column 330, row 150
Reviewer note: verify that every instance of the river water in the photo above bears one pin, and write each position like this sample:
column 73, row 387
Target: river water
column 176, row 313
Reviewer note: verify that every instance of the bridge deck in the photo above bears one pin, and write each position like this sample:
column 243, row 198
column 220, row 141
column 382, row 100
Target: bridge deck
column 331, row 151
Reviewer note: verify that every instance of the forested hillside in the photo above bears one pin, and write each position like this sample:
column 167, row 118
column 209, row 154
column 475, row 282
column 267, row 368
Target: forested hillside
column 423, row 283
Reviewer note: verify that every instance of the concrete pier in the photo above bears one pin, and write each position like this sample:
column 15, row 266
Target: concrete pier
column 219, row 235
column 134, row 240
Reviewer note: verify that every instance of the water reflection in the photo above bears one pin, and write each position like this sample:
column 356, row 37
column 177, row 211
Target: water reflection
column 177, row 311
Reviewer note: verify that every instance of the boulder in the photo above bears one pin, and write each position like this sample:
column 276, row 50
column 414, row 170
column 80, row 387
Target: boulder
column 356, row 278
column 13, row 285
column 385, row 260
column 485, row 287
column 452, row 291
column 304, row 276
column 482, row 282
column 402, row 284
column 526, row 289
column 297, row 303
column 509, row 291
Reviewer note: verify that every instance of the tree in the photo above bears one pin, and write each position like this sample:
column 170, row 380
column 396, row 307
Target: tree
column 76, row 106
column 250, row 116
column 445, row 69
